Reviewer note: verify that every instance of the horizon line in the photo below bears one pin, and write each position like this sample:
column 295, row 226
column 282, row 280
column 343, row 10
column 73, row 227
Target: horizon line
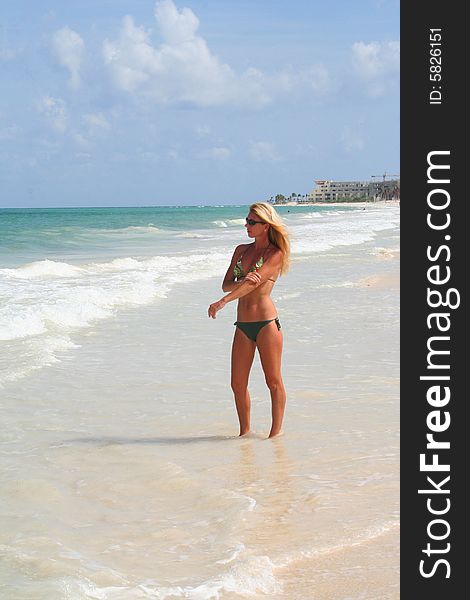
column 128, row 206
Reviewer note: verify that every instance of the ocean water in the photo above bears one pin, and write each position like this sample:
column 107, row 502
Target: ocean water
column 122, row 474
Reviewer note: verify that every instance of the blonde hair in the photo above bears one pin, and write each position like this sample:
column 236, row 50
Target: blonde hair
column 278, row 234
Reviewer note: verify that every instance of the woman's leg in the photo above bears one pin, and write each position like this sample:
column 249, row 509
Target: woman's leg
column 243, row 352
column 269, row 342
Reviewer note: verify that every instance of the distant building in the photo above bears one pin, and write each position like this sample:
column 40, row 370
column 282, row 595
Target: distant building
column 344, row 191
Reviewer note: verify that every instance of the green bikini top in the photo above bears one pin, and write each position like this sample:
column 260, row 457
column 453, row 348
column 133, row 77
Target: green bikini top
column 238, row 269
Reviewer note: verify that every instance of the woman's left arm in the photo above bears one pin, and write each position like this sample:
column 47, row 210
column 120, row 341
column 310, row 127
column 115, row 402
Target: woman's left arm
column 270, row 268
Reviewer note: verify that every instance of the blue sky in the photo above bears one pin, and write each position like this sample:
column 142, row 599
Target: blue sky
column 137, row 102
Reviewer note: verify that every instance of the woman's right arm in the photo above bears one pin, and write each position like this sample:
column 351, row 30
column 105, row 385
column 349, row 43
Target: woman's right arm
column 229, row 284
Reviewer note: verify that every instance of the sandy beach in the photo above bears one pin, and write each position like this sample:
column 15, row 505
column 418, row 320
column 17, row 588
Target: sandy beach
column 379, row 203
column 122, row 473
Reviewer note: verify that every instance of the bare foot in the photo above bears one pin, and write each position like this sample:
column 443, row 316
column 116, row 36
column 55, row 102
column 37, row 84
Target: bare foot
column 274, row 434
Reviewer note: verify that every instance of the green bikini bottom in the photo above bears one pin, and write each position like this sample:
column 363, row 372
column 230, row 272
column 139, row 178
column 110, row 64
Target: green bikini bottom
column 252, row 328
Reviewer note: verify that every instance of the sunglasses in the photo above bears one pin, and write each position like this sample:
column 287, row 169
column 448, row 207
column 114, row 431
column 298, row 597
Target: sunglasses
column 252, row 221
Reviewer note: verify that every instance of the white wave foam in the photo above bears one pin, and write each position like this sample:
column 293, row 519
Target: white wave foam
column 229, row 222
column 288, row 296
column 312, row 215
column 47, row 301
column 386, row 252
column 37, row 353
column 248, row 577
column 235, row 554
column 150, row 228
column 139, row 228
column 336, row 285
column 190, row 235
column 43, row 268
column 341, row 229
column 73, row 296
column 21, row 326
column 368, row 535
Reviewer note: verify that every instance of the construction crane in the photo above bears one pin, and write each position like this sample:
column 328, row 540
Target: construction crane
column 384, row 175
column 380, row 188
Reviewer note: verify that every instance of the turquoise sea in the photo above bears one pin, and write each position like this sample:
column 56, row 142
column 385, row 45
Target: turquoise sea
column 29, row 233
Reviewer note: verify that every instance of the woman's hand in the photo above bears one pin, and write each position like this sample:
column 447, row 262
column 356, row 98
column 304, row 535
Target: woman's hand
column 215, row 307
column 253, row 277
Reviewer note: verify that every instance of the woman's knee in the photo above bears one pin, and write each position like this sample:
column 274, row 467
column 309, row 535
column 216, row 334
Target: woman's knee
column 274, row 383
column 238, row 387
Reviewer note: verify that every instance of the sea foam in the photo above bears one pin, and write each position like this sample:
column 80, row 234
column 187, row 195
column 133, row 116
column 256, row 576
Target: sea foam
column 47, row 301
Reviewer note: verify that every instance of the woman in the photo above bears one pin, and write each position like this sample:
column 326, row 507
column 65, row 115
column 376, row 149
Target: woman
column 250, row 279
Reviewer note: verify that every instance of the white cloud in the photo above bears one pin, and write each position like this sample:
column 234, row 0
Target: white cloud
column 95, row 122
column 317, row 78
column 263, row 151
column 176, row 27
column 55, row 111
column 79, row 139
column 377, row 65
column 375, row 60
column 183, row 70
column 202, row 130
column 219, row 153
column 314, row 79
column 131, row 58
column 68, row 48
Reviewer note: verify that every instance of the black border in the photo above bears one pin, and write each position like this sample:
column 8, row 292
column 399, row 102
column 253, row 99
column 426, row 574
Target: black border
column 425, row 128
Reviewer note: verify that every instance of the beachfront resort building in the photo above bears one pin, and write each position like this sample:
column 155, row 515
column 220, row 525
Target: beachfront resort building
column 344, row 191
